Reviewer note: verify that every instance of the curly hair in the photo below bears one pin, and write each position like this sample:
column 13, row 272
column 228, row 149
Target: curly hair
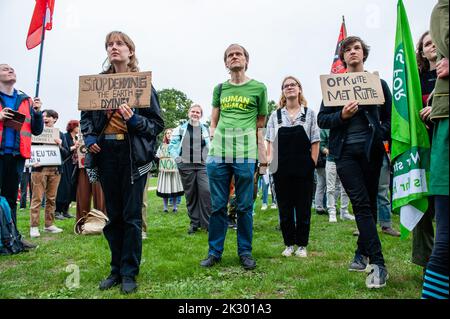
column 133, row 64
column 72, row 125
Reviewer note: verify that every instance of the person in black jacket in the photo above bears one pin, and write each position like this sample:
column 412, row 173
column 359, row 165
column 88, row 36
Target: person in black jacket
column 356, row 142
column 123, row 142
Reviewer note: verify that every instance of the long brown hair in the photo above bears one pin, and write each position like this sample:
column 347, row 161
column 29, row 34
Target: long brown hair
column 165, row 139
column 301, row 97
column 422, row 62
column 133, row 64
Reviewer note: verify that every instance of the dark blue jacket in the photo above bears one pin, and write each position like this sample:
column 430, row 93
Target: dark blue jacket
column 378, row 116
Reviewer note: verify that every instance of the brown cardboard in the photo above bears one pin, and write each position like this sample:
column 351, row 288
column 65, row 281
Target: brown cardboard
column 109, row 91
column 339, row 89
column 48, row 136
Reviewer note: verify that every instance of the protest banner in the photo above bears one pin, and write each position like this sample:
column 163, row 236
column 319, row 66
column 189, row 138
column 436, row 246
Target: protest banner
column 339, row 89
column 109, row 91
column 167, row 164
column 48, row 136
column 44, row 155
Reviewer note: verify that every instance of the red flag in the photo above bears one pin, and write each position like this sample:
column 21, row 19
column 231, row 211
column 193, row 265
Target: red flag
column 338, row 65
column 41, row 9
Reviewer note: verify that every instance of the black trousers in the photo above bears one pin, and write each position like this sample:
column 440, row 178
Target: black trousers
column 360, row 177
column 294, row 199
column 123, row 204
column 11, row 169
column 25, row 182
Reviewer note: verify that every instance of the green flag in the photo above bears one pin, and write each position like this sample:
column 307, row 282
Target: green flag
column 410, row 144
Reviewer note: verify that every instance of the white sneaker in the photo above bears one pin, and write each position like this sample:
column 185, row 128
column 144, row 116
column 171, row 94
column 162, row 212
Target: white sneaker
column 34, row 232
column 301, row 252
column 144, row 235
column 288, row 251
column 53, row 229
column 347, row 216
column 332, row 218
column 264, row 207
column 274, row 206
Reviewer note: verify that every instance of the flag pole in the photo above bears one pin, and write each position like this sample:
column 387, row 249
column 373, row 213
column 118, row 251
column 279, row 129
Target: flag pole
column 345, row 27
column 41, row 51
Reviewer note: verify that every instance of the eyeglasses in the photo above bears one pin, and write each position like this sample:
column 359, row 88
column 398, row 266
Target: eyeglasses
column 289, row 85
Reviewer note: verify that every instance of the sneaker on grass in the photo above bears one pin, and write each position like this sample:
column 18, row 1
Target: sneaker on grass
column 347, row 216
column 359, row 263
column 301, row 252
column 273, row 206
column 377, row 276
column 332, row 218
column 288, row 251
column 53, row 229
column 264, row 207
column 34, row 232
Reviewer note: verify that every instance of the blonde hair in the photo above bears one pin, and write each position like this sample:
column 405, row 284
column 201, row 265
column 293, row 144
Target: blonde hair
column 194, row 106
column 133, row 64
column 301, row 97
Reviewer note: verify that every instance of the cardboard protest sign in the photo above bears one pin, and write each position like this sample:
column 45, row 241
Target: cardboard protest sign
column 44, row 155
column 109, row 91
column 339, row 89
column 167, row 164
column 48, row 136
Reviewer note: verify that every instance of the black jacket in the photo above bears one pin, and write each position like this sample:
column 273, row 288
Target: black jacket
column 143, row 128
column 378, row 116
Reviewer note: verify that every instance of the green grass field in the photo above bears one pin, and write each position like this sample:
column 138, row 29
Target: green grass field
column 66, row 265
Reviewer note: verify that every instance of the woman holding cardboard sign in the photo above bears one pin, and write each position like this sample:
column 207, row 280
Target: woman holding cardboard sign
column 123, row 143
column 356, row 142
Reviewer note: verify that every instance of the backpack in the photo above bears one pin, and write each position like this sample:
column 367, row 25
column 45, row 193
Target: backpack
column 10, row 239
column 91, row 224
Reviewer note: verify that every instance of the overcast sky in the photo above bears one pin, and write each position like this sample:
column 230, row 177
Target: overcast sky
column 182, row 42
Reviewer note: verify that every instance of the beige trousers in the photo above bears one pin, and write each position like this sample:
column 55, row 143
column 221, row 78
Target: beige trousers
column 44, row 182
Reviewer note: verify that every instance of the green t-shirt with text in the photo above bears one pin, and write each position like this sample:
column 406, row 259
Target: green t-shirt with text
column 240, row 105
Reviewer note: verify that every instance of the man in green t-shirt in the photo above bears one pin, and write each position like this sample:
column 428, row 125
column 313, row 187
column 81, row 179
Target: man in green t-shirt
column 239, row 109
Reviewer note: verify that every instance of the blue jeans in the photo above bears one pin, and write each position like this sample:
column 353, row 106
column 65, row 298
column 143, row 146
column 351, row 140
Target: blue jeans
column 383, row 200
column 265, row 190
column 220, row 175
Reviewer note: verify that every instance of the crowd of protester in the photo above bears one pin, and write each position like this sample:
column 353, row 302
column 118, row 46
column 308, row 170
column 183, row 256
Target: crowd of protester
column 341, row 152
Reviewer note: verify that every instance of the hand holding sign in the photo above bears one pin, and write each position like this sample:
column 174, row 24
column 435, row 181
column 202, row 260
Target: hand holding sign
column 125, row 111
column 349, row 110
